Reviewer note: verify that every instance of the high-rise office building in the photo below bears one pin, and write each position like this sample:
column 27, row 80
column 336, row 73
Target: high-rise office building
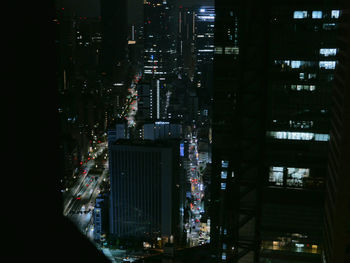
column 204, row 18
column 297, row 129
column 159, row 39
column 195, row 57
column 273, row 71
column 185, row 41
column 162, row 130
column 337, row 199
column 144, row 197
column 151, row 93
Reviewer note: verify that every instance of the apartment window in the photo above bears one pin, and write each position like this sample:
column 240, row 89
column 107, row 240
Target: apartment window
column 300, row 14
column 301, row 76
column 223, row 186
column 328, row 52
column 223, row 174
column 327, row 64
column 335, row 14
column 316, row 14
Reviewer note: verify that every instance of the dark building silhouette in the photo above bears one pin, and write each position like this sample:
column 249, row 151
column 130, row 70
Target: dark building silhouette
column 337, row 199
column 144, row 198
column 273, row 71
column 114, row 33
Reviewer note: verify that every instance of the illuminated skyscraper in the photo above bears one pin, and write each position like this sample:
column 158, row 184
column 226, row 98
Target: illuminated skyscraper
column 204, row 17
column 159, row 39
column 273, row 72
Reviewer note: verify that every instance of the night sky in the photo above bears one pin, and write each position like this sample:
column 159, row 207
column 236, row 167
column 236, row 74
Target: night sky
column 91, row 8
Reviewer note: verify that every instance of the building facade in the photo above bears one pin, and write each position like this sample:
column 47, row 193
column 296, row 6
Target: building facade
column 144, row 192
column 273, row 70
column 159, row 39
column 337, row 198
column 162, row 130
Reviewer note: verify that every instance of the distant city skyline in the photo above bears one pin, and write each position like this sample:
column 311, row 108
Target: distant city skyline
column 91, row 8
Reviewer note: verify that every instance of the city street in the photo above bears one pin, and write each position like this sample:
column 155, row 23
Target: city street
column 197, row 231
column 132, row 105
column 79, row 201
column 83, row 178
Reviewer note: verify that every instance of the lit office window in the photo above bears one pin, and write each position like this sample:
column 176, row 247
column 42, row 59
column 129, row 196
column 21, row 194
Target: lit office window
column 301, row 76
column 276, row 175
column 300, row 124
column 328, row 52
column 312, row 75
column 223, row 256
column 231, row 50
column 300, row 14
column 218, row 50
column 295, row 63
column 316, row 14
column 329, row 26
column 283, row 63
column 224, row 164
column 303, row 136
column 293, row 176
column 223, row 186
column 303, row 87
column 327, row 64
column 322, row 137
column 335, row 13
column 223, row 174
column 296, row 175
